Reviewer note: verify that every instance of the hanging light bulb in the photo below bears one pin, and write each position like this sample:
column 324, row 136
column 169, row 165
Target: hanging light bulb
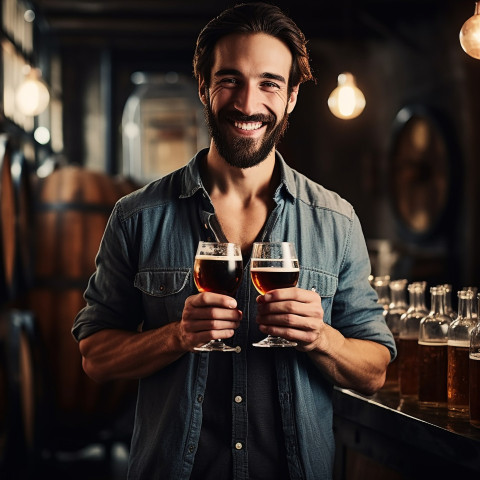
column 470, row 34
column 32, row 95
column 347, row 100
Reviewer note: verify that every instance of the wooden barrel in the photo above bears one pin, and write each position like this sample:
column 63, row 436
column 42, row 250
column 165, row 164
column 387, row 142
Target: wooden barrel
column 7, row 223
column 72, row 206
column 21, row 394
column 22, row 173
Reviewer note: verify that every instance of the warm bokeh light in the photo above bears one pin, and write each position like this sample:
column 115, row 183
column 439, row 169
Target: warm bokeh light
column 32, row 96
column 347, row 100
column 470, row 34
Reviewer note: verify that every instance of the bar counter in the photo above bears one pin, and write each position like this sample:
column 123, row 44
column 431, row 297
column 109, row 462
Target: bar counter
column 385, row 437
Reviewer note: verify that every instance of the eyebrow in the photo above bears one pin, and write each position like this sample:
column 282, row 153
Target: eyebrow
column 232, row 71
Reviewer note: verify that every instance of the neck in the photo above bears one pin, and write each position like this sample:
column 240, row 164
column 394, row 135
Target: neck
column 224, row 179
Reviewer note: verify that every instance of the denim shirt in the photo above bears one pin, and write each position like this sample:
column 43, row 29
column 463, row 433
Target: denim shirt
column 144, row 276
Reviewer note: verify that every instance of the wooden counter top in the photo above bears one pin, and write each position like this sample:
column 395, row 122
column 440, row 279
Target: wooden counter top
column 402, row 438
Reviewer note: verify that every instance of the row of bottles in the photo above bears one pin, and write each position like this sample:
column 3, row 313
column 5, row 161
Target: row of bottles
column 438, row 359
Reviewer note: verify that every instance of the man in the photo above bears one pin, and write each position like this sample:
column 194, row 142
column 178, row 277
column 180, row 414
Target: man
column 255, row 413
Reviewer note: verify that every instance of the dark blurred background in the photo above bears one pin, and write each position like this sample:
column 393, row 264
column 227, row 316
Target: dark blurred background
column 404, row 54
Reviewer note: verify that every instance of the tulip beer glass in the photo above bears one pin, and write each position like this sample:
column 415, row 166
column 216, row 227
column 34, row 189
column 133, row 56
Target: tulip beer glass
column 218, row 268
column 274, row 265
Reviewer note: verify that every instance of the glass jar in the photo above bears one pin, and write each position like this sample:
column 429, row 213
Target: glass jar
column 163, row 125
column 458, row 355
column 474, row 373
column 432, row 352
column 407, row 354
column 397, row 307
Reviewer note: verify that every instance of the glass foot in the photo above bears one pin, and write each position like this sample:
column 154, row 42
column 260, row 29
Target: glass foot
column 215, row 346
column 274, row 342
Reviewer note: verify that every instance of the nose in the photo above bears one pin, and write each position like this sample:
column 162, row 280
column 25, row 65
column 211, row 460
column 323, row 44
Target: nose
column 247, row 99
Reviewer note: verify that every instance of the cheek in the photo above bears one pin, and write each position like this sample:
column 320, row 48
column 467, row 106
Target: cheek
column 218, row 97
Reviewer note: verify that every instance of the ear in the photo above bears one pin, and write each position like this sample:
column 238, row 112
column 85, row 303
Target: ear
column 292, row 99
column 202, row 90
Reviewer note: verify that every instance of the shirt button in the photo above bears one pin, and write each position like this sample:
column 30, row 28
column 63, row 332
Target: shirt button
column 191, row 448
column 238, row 349
column 238, row 399
column 239, row 445
column 200, row 399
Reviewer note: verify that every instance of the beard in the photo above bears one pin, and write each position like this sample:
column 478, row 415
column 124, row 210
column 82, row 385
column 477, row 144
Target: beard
column 243, row 152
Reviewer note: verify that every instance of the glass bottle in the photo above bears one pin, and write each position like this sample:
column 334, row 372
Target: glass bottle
column 448, row 301
column 380, row 284
column 407, row 354
column 458, row 355
column 421, row 304
column 432, row 352
column 397, row 307
column 474, row 373
column 474, row 301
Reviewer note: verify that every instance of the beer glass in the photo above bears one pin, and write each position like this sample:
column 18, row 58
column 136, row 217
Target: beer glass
column 218, row 268
column 274, row 265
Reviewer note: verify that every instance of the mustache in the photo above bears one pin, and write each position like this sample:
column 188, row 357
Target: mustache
column 240, row 117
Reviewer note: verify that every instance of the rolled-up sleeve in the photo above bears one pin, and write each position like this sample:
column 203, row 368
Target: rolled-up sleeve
column 356, row 312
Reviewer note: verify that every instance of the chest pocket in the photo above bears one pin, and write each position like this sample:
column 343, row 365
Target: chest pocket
column 163, row 294
column 325, row 284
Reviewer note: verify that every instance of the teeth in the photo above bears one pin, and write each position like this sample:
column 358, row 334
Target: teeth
column 248, row 126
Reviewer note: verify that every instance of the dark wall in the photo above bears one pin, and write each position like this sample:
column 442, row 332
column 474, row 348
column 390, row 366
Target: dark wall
column 419, row 65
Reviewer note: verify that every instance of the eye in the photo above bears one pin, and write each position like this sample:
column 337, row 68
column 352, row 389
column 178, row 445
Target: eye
column 229, row 81
column 270, row 86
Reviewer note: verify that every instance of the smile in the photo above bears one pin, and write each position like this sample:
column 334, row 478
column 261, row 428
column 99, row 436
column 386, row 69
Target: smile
column 248, row 125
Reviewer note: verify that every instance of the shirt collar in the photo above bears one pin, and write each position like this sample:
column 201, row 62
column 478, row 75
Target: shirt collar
column 192, row 181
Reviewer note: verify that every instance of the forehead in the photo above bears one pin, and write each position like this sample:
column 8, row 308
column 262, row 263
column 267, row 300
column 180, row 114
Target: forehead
column 252, row 53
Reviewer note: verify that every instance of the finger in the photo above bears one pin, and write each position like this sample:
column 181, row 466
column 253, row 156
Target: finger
column 211, row 326
column 285, row 320
column 294, row 307
column 212, row 299
column 293, row 293
column 211, row 318
column 293, row 334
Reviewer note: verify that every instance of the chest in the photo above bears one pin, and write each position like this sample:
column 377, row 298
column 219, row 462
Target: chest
column 242, row 226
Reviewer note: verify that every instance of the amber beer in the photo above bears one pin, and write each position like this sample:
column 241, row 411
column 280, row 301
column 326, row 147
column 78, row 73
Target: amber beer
column 432, row 387
column 271, row 278
column 457, row 377
column 391, row 379
column 474, row 400
column 408, row 367
column 217, row 274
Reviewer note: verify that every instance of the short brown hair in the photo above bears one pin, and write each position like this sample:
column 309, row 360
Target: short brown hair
column 253, row 18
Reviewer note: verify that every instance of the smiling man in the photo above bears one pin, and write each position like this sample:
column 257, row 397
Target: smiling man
column 255, row 413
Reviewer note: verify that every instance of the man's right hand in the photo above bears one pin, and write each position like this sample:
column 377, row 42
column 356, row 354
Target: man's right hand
column 208, row 316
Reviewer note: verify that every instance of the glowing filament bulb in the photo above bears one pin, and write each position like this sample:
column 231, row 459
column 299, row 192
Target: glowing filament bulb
column 470, row 34
column 346, row 101
column 32, row 96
